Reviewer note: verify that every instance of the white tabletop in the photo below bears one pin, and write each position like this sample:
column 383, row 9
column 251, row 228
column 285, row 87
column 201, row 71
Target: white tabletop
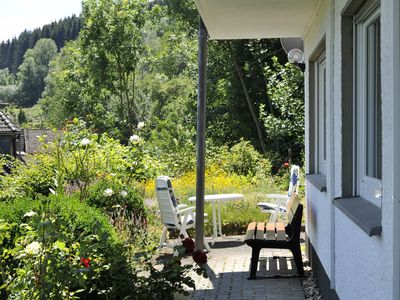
column 220, row 197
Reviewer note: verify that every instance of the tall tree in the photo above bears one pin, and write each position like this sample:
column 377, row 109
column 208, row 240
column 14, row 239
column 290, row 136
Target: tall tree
column 112, row 43
column 33, row 70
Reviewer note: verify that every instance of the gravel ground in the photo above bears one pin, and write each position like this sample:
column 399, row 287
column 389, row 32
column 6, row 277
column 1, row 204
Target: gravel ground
column 310, row 285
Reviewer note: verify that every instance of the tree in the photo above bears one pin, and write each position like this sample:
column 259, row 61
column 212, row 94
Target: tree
column 285, row 128
column 33, row 70
column 70, row 92
column 112, row 45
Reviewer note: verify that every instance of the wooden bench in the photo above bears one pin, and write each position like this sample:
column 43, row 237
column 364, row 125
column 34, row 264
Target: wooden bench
column 276, row 235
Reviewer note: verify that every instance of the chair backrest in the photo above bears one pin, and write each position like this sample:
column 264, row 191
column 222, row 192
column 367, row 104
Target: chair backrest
column 294, row 180
column 165, row 198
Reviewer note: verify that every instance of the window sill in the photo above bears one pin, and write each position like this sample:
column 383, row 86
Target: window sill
column 318, row 181
column 366, row 215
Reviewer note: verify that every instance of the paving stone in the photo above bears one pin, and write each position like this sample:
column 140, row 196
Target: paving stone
column 229, row 268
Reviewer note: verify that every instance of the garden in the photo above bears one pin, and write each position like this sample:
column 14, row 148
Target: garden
column 79, row 219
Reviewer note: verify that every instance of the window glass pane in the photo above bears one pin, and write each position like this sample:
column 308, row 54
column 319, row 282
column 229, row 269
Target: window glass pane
column 373, row 115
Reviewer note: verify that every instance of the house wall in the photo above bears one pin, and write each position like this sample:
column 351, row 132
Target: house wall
column 319, row 209
column 6, row 145
column 357, row 266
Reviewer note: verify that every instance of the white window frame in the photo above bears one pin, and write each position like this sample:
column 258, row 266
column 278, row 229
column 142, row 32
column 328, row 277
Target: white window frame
column 367, row 71
column 320, row 114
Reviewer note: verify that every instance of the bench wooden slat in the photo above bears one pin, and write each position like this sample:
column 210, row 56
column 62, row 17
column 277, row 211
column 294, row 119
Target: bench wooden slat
column 280, row 231
column 260, row 231
column 270, row 231
column 250, row 231
column 292, row 207
column 295, row 204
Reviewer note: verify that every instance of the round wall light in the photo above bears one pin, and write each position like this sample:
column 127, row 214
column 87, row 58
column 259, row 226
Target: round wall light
column 296, row 56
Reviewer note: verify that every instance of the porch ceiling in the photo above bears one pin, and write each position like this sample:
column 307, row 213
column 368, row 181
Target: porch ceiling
column 253, row 19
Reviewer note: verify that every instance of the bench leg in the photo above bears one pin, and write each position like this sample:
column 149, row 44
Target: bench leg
column 255, row 253
column 298, row 260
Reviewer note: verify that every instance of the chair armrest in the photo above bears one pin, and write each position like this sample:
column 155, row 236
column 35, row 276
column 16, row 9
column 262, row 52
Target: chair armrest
column 186, row 210
column 181, row 206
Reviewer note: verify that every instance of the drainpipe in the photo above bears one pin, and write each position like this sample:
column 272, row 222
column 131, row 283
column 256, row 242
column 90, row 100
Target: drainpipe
column 201, row 135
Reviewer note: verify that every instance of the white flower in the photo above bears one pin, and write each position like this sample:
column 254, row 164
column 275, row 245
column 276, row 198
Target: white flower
column 85, row 142
column 33, row 248
column 134, row 139
column 140, row 125
column 30, row 214
column 123, row 193
column 108, row 192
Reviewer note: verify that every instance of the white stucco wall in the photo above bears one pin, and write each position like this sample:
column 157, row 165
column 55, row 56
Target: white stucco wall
column 362, row 263
column 319, row 208
column 359, row 267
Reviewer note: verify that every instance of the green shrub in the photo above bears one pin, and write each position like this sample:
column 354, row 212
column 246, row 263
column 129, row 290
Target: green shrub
column 59, row 247
column 108, row 193
column 241, row 159
column 27, row 179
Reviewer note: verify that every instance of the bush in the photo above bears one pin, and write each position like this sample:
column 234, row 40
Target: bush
column 60, row 247
column 109, row 193
column 29, row 179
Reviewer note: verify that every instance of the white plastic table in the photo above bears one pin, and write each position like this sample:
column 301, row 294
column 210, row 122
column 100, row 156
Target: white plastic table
column 217, row 218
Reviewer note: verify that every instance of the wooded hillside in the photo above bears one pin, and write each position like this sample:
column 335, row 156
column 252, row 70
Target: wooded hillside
column 12, row 51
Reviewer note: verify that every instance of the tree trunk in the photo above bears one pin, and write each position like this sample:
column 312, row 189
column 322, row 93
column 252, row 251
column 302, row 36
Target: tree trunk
column 249, row 103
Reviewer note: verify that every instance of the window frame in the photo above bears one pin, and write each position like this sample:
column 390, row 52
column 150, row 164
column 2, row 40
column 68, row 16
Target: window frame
column 320, row 117
column 365, row 185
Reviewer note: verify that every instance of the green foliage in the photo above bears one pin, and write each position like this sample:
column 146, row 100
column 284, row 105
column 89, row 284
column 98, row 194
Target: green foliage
column 21, row 117
column 12, row 51
column 33, row 70
column 109, row 194
column 29, row 179
column 75, row 160
column 60, row 248
column 173, row 278
column 241, row 159
column 111, row 42
column 8, row 87
column 284, row 126
column 34, row 115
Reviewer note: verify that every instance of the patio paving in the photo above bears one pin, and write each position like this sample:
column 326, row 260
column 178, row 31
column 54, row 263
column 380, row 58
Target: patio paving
column 228, row 269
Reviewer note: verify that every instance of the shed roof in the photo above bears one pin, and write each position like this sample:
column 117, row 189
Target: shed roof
column 7, row 126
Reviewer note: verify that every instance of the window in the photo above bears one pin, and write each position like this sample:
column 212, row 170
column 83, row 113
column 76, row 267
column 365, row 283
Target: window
column 320, row 114
column 367, row 98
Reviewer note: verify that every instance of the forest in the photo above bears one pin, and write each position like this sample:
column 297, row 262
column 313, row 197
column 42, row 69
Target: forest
column 140, row 65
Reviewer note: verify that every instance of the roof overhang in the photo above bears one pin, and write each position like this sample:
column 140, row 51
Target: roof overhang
column 255, row 19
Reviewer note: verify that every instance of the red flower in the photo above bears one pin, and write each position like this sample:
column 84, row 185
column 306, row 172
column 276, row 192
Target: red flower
column 189, row 245
column 85, row 262
column 200, row 257
column 286, row 165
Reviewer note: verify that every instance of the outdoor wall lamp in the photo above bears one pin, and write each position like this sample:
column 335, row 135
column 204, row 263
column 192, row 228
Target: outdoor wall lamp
column 295, row 56
column 294, row 49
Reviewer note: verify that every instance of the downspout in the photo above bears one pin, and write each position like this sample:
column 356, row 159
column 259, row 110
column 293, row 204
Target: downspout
column 201, row 135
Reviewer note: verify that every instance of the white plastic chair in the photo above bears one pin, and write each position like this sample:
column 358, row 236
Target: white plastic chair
column 173, row 216
column 278, row 207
